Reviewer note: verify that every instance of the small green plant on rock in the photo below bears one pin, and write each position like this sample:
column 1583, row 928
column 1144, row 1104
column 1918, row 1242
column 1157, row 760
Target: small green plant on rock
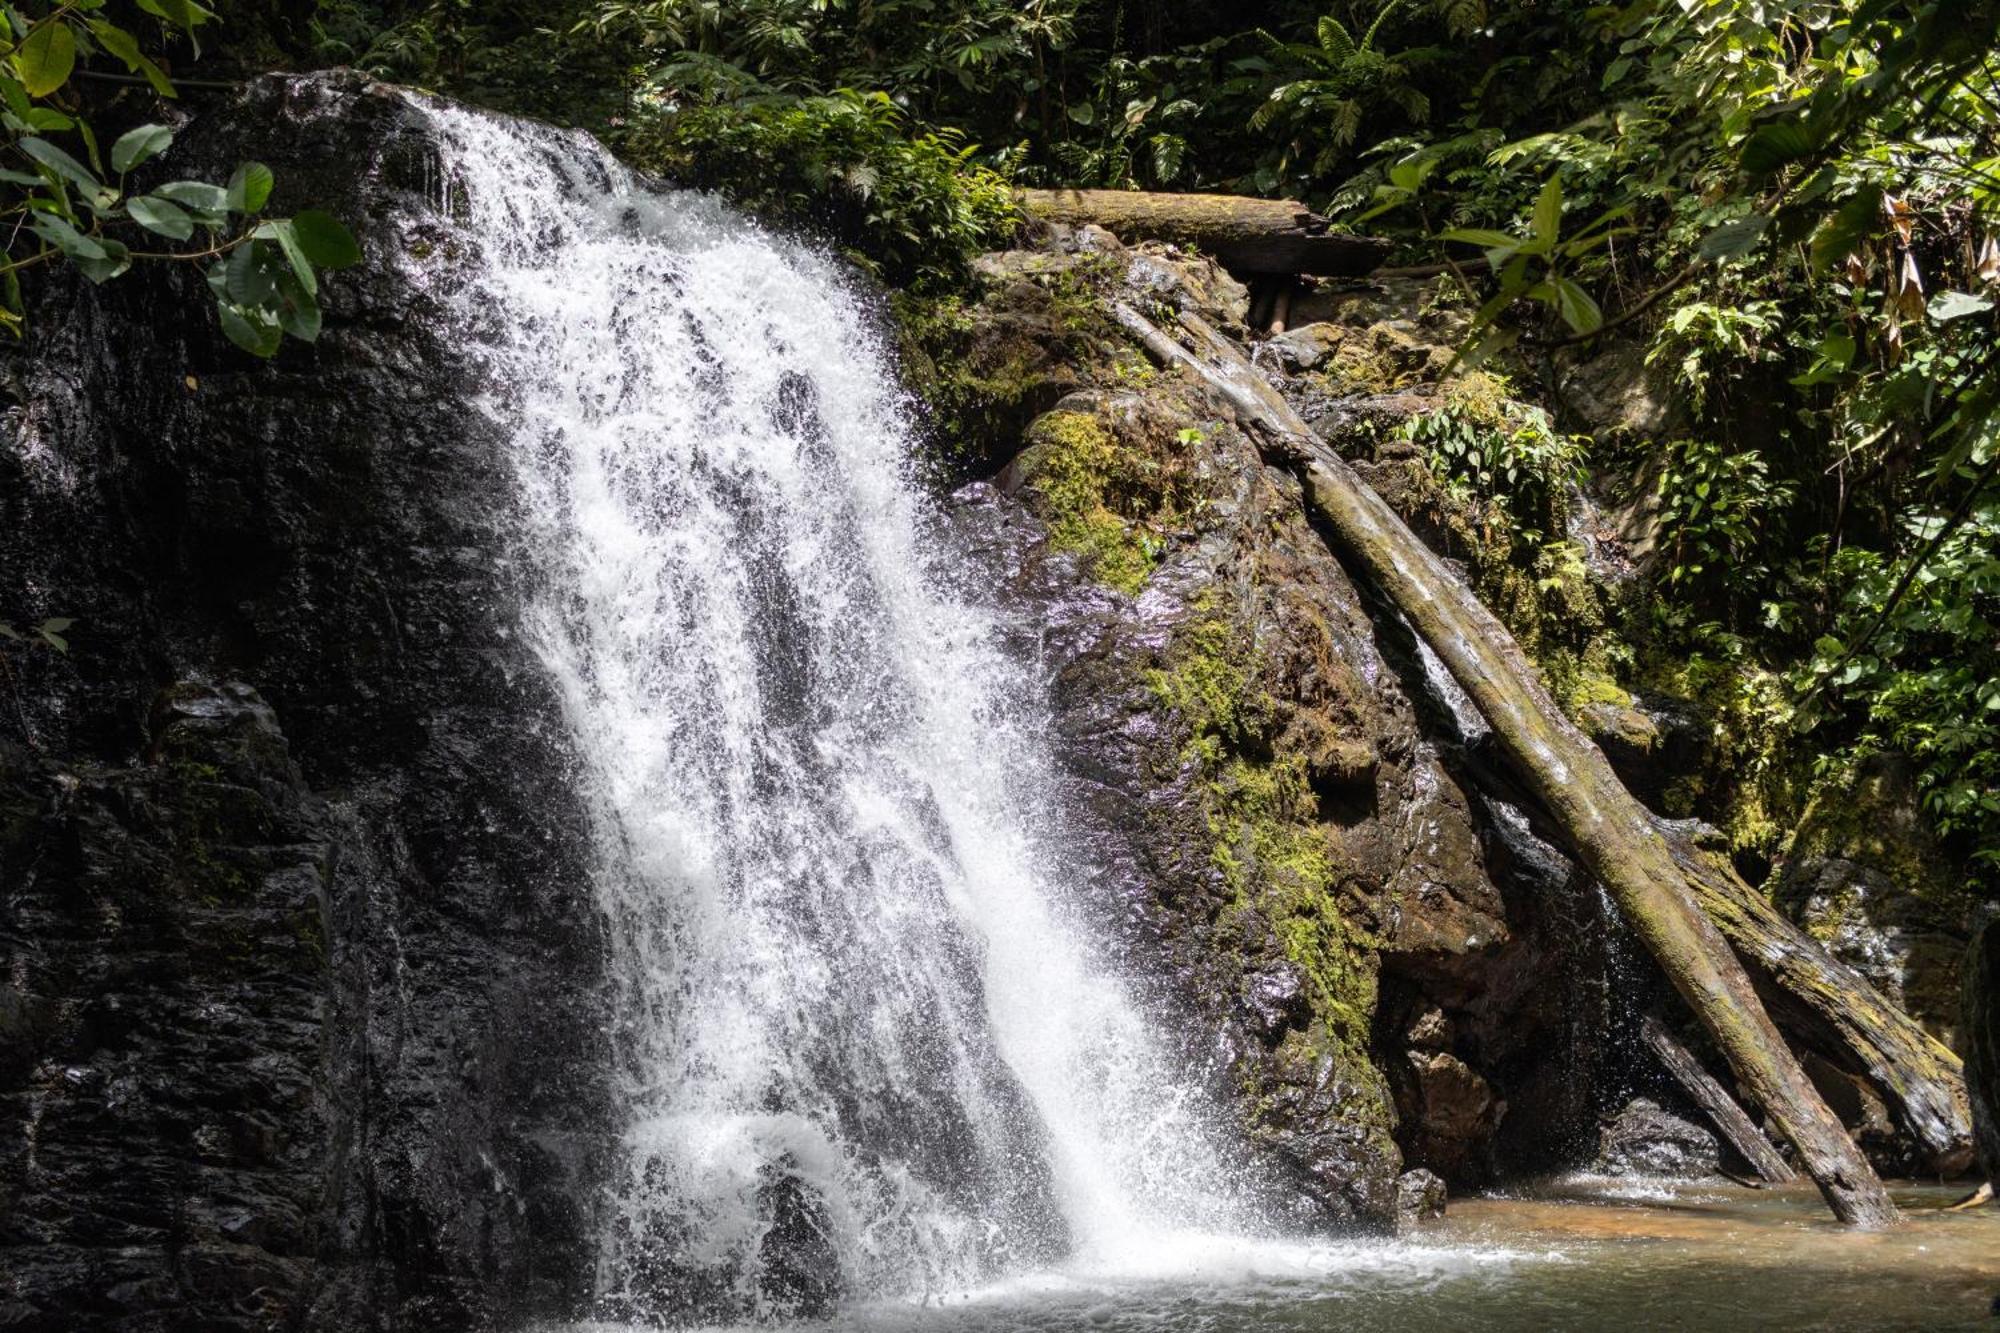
column 1114, row 499
column 1502, row 451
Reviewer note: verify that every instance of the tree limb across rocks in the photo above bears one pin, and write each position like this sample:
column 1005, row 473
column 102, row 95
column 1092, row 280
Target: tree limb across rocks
column 1612, row 835
column 1247, row 235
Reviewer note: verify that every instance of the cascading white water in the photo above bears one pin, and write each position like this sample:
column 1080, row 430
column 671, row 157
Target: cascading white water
column 864, row 1038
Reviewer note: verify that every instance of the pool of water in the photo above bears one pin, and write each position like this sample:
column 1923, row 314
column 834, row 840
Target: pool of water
column 1581, row 1253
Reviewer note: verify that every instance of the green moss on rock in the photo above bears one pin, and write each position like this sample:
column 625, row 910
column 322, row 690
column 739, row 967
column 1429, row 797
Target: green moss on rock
column 1110, row 495
column 1268, row 841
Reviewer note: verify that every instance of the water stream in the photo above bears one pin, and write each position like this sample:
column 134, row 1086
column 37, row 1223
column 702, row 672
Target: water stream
column 865, row 1042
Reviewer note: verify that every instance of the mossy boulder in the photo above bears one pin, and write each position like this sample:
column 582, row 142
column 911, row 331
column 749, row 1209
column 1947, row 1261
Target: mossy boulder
column 1248, row 756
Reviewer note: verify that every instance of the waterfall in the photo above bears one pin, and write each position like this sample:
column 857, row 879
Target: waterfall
column 869, row 1045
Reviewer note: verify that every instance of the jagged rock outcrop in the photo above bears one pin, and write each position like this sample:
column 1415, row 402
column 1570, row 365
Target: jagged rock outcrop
column 298, row 959
column 1257, row 757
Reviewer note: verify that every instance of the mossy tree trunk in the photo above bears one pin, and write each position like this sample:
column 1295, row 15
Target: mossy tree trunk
column 1828, row 1006
column 1610, row 832
column 1277, row 236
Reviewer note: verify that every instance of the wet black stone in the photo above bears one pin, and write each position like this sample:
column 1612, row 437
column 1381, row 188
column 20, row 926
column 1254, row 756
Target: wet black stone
column 299, row 967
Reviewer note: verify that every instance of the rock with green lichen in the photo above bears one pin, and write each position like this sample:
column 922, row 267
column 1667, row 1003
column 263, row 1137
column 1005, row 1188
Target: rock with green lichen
column 1249, row 761
column 1865, row 876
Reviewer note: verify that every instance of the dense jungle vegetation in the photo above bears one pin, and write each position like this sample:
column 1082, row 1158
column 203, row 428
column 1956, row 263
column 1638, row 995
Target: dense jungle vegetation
column 1787, row 204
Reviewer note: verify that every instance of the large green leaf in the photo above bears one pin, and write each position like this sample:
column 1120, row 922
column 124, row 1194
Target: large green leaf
column 209, row 202
column 1775, row 146
column 122, row 44
column 1577, row 307
column 183, row 14
column 324, row 241
column 135, row 146
column 158, row 215
column 66, row 238
column 62, row 164
column 1548, row 214
column 255, row 331
column 298, row 310
column 1850, row 226
column 250, row 188
column 1734, row 239
column 288, row 241
column 1957, row 305
column 253, row 274
column 45, row 60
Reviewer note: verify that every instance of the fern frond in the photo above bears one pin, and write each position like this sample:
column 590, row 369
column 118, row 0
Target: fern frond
column 1334, row 39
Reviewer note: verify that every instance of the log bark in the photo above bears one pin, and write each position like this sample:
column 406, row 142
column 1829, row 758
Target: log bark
column 1247, row 235
column 1730, row 1120
column 1612, row 834
column 1827, row 1005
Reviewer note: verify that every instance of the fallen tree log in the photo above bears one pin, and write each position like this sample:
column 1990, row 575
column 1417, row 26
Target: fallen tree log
column 1730, row 1120
column 1247, row 235
column 1827, row 1005
column 1613, row 836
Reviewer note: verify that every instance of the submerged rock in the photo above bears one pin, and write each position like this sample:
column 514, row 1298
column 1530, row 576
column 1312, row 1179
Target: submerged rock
column 1643, row 1140
column 1420, row 1198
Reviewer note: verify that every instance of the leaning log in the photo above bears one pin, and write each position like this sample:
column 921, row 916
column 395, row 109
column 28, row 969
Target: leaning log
column 1248, row 236
column 1611, row 833
column 1730, row 1119
column 1826, row 1005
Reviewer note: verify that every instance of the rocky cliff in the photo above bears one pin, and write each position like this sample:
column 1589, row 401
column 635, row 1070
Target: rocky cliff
column 1384, row 968
column 297, row 1012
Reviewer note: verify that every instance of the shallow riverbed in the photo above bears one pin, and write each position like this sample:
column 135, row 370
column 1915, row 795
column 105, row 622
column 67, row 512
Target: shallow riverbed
column 1577, row 1254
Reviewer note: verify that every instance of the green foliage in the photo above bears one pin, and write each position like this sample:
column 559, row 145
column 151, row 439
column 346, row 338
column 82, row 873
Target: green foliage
column 74, row 203
column 1331, row 86
column 847, row 165
column 1502, row 451
column 49, row 634
column 1927, row 682
column 1715, row 505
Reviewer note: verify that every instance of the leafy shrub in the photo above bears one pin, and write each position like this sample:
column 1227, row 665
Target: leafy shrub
column 1502, row 451
column 77, row 203
column 1924, row 671
column 914, row 204
column 1715, row 504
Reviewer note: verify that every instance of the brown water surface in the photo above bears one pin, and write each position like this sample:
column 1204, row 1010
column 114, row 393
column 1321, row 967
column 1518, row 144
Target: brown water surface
column 1581, row 1253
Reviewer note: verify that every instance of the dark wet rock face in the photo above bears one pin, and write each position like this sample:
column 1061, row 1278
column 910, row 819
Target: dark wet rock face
column 1980, row 1014
column 298, row 960
column 1864, row 876
column 1644, row 1140
column 164, row 1091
